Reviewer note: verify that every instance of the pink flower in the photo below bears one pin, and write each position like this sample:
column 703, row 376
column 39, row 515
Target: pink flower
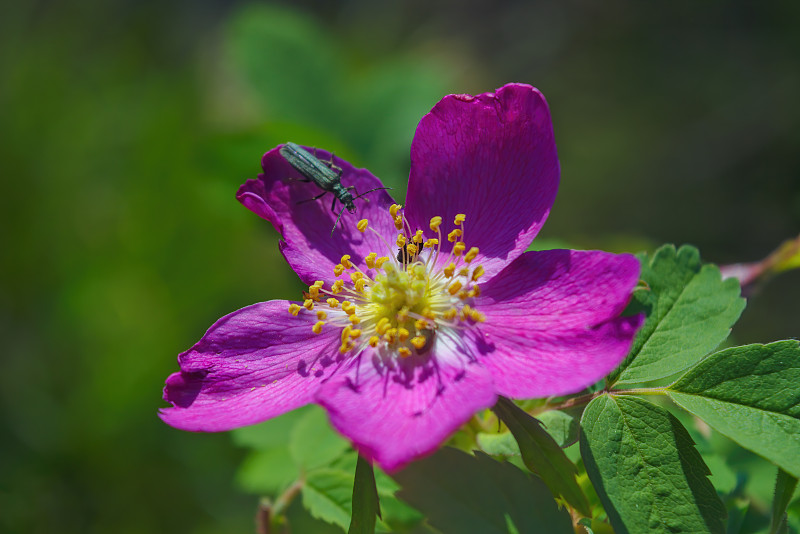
column 401, row 353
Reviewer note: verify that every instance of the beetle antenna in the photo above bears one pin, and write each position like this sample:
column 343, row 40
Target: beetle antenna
column 370, row 191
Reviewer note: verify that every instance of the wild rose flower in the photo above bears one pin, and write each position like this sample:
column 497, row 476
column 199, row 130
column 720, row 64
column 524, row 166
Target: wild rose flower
column 417, row 317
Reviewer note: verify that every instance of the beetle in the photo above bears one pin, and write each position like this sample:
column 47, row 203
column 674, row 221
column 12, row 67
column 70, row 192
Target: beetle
column 325, row 175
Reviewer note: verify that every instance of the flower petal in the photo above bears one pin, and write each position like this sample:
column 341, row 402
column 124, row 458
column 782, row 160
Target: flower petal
column 493, row 158
column 251, row 365
column 552, row 321
column 396, row 415
column 306, row 226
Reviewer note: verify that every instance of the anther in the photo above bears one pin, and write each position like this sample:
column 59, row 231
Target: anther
column 435, row 222
column 430, row 243
column 458, row 248
column 338, row 269
column 321, row 315
column 477, row 273
column 404, row 352
column 337, row 286
column 294, row 309
column 317, row 328
column 370, row 260
column 469, row 256
column 450, row 314
column 417, row 238
column 449, row 270
column 460, row 218
column 346, row 261
column 418, row 342
column 401, row 240
column 380, row 261
column 398, row 222
column 454, row 235
column 454, row 287
column 308, row 304
column 374, row 340
column 332, row 302
column 362, row 225
column 355, row 319
column 393, row 209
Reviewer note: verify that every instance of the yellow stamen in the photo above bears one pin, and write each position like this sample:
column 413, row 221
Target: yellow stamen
column 469, row 256
column 477, row 316
column 460, row 218
column 337, row 286
column 401, row 240
column 402, row 315
column 398, row 222
column 308, row 304
column 362, row 225
column 382, row 326
column 418, row 342
column 402, row 334
column 404, row 352
column 450, row 314
column 449, row 270
column 412, row 250
column 435, row 222
column 458, row 248
column 420, row 324
column 454, row 235
column 360, row 283
column 346, row 333
column 380, row 261
column 370, row 260
column 332, row 302
column 464, row 271
column 355, row 319
column 355, row 333
column 374, row 340
column 393, row 209
column 475, row 291
column 356, row 276
column 430, row 243
column 318, row 284
column 317, row 328
column 417, row 238
column 346, row 261
column 294, row 309
column 454, row 287
column 321, row 315
column 338, row 269
column 477, row 273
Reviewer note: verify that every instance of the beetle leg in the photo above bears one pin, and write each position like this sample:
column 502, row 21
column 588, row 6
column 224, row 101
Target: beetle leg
column 306, row 180
column 315, row 198
column 333, row 205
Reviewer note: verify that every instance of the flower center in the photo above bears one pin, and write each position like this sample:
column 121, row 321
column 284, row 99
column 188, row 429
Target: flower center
column 399, row 302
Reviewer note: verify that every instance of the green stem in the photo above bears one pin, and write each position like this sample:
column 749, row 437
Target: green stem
column 582, row 400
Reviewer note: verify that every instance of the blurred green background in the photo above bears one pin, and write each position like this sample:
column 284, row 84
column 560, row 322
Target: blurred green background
column 126, row 128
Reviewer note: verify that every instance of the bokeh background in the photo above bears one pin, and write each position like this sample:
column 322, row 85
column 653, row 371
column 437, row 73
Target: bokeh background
column 126, row 128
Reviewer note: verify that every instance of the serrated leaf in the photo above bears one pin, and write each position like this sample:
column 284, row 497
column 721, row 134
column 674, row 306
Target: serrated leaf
column 750, row 395
column 365, row 505
column 542, row 455
column 312, row 441
column 460, row 493
column 691, row 311
column 646, row 470
column 327, row 494
column 396, row 515
column 785, row 485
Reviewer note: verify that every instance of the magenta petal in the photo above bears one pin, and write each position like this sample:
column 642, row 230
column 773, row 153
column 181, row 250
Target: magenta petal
column 552, row 321
column 493, row 158
column 306, row 227
column 394, row 416
column 251, row 365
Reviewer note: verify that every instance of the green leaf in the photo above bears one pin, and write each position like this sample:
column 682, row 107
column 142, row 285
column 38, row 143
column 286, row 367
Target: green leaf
column 327, row 495
column 562, row 426
column 646, row 470
column 498, row 444
column 269, row 434
column 691, row 311
column 460, row 493
column 542, row 455
column 365, row 505
column 785, row 485
column 267, row 472
column 750, row 395
column 313, row 443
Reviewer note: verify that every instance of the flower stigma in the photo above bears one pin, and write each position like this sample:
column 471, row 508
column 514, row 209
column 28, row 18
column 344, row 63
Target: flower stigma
column 398, row 302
